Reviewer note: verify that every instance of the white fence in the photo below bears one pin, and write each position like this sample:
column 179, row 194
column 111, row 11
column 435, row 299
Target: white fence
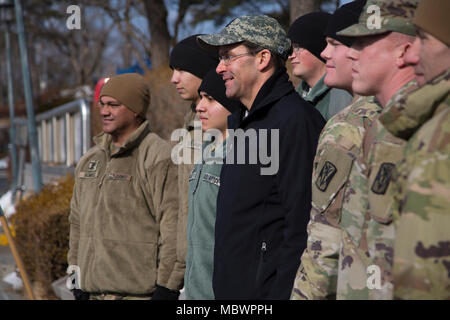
column 63, row 133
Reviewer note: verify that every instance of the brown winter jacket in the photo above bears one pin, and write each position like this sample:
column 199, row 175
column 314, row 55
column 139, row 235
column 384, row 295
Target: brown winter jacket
column 123, row 216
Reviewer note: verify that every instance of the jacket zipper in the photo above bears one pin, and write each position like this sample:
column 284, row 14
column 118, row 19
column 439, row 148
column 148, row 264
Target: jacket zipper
column 106, row 171
column 261, row 259
column 263, row 248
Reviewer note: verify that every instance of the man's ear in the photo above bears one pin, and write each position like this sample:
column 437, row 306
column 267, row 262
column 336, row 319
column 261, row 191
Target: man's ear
column 402, row 50
column 263, row 59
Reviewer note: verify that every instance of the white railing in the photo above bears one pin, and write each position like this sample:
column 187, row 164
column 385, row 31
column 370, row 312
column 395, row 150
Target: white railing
column 63, row 133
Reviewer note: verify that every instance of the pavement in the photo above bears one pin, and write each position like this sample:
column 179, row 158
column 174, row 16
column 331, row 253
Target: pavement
column 7, row 265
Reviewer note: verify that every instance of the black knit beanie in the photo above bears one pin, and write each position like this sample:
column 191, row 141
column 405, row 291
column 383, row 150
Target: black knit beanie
column 214, row 86
column 344, row 17
column 188, row 56
column 308, row 31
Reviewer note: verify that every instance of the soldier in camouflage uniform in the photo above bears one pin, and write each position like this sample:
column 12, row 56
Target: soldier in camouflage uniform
column 340, row 144
column 363, row 238
column 421, row 188
column 365, row 267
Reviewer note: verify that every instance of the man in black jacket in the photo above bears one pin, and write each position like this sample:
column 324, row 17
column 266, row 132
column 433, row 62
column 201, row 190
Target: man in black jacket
column 262, row 208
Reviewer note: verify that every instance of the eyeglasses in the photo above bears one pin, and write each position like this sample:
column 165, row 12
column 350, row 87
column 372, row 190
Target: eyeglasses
column 296, row 48
column 227, row 58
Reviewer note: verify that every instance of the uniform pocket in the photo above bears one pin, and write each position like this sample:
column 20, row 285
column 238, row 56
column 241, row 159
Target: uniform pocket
column 124, row 267
column 386, row 155
column 330, row 177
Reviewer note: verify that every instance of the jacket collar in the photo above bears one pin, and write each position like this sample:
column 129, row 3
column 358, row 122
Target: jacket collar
column 316, row 92
column 190, row 117
column 411, row 111
column 104, row 140
column 276, row 87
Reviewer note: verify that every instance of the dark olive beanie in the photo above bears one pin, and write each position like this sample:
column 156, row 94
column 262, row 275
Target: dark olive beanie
column 432, row 16
column 188, row 56
column 131, row 90
column 308, row 31
column 214, row 86
column 344, row 17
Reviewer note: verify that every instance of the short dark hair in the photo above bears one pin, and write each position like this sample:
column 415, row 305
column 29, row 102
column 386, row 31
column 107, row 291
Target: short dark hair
column 278, row 61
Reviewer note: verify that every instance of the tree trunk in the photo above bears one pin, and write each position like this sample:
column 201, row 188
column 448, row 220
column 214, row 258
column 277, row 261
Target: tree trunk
column 302, row 7
column 159, row 34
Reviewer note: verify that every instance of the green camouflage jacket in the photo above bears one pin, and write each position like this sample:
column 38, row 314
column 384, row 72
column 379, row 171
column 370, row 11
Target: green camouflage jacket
column 366, row 251
column 382, row 152
column 339, row 144
column 421, row 192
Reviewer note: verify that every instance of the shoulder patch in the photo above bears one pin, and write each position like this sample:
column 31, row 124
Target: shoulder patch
column 92, row 165
column 325, row 176
column 383, row 178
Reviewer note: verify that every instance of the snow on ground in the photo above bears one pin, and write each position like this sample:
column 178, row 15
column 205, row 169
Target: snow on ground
column 7, row 204
column 14, row 280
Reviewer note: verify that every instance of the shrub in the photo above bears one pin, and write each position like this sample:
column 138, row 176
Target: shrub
column 42, row 233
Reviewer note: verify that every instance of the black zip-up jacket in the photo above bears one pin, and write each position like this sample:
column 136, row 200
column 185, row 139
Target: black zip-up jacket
column 260, row 230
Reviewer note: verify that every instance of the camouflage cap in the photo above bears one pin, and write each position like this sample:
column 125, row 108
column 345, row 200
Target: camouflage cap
column 381, row 16
column 260, row 30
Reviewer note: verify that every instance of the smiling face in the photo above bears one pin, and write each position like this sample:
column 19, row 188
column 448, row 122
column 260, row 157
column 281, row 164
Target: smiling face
column 212, row 114
column 117, row 120
column 339, row 66
column 186, row 84
column 429, row 57
column 240, row 75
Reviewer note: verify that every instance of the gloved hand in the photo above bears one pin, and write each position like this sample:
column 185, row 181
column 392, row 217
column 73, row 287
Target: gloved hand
column 80, row 294
column 162, row 293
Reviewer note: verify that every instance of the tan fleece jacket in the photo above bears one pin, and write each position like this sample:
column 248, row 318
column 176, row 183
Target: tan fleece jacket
column 123, row 216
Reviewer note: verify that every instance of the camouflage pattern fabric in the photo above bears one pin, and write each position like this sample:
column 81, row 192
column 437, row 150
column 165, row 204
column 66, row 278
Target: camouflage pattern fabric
column 339, row 144
column 110, row 296
column 394, row 15
column 367, row 232
column 261, row 30
column 421, row 192
column 382, row 152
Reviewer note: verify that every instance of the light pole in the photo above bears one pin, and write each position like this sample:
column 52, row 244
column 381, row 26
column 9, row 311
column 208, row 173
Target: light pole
column 32, row 130
column 6, row 18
